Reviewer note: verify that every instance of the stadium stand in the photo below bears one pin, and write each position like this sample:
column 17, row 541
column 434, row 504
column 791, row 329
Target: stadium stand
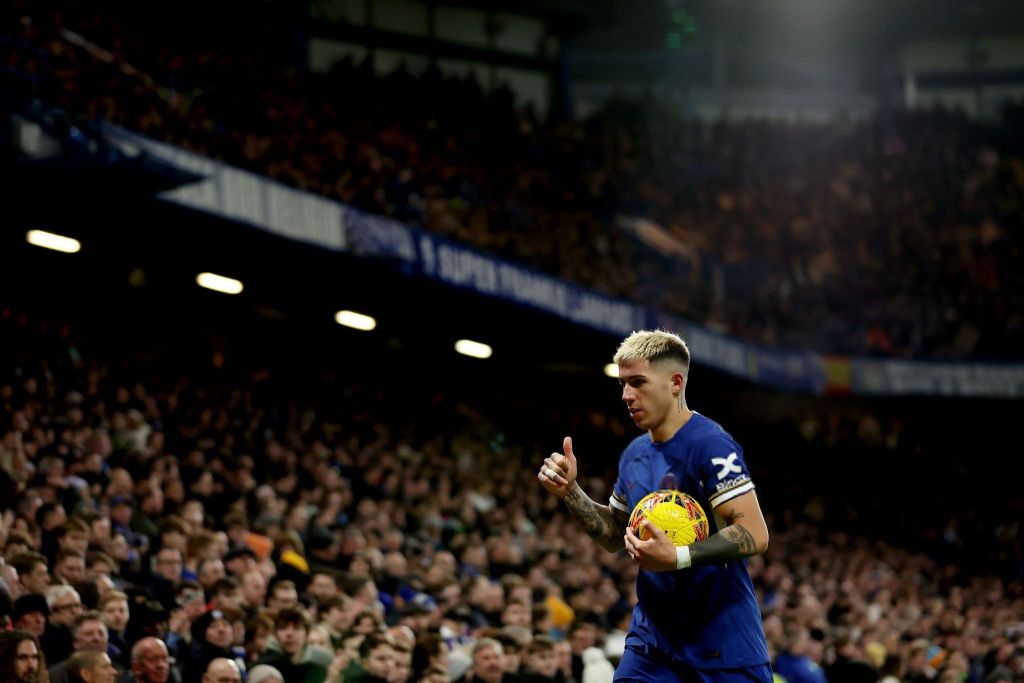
column 870, row 268
column 255, row 487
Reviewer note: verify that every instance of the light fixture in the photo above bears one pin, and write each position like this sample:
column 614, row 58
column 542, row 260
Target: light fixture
column 468, row 347
column 49, row 240
column 355, row 320
column 219, row 283
column 612, row 370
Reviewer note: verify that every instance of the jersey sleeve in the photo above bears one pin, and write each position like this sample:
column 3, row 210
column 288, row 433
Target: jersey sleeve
column 619, row 500
column 723, row 472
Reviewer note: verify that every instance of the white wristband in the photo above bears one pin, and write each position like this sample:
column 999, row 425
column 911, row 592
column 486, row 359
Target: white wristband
column 683, row 557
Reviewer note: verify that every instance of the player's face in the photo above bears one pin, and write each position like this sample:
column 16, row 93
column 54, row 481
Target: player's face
column 647, row 393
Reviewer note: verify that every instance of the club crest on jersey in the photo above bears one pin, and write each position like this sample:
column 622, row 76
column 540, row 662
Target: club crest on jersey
column 669, row 481
column 728, row 465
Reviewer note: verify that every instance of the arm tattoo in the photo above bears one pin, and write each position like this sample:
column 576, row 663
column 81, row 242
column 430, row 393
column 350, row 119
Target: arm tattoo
column 598, row 521
column 731, row 543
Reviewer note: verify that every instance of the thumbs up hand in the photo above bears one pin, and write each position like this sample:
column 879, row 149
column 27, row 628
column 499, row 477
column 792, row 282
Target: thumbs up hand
column 558, row 473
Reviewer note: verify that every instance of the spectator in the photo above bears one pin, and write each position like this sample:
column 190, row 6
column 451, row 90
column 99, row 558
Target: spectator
column 336, row 616
column 32, row 572
column 289, row 652
column 30, row 612
column 375, row 663
column 222, row 670
column 849, row 665
column 21, row 658
column 488, row 662
column 541, row 661
column 91, row 666
column 212, row 639
column 151, row 662
column 167, row 571
column 794, row 662
column 65, row 607
column 114, row 609
column 254, row 591
column 283, row 595
column 88, row 634
column 596, row 667
column 264, row 673
column 258, row 631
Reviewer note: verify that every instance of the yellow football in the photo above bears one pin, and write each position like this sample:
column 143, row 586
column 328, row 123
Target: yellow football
column 676, row 513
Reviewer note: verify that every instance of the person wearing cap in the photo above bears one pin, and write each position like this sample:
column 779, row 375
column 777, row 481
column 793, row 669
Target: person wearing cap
column 212, row 637
column 239, row 559
column 323, row 548
column 30, row 612
column 323, row 583
column 149, row 618
column 417, row 612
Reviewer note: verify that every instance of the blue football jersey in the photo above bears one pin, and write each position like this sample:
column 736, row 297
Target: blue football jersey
column 706, row 616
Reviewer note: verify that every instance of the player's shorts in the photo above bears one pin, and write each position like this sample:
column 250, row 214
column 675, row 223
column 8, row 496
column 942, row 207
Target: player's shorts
column 638, row 667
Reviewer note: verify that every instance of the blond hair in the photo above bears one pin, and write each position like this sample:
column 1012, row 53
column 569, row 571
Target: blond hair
column 653, row 346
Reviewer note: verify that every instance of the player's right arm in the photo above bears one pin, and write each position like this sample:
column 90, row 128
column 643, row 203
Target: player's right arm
column 603, row 523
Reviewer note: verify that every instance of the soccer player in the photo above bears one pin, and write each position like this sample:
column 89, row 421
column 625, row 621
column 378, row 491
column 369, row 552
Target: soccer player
column 697, row 617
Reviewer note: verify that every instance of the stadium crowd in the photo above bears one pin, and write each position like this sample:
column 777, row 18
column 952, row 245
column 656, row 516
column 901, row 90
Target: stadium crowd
column 161, row 518
column 894, row 236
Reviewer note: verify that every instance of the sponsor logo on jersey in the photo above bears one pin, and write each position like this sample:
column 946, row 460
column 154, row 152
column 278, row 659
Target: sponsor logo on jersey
column 728, row 465
column 732, row 483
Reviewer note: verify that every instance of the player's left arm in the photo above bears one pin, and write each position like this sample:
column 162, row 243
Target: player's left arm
column 745, row 534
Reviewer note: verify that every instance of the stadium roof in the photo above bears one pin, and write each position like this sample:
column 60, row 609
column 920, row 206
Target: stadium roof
column 903, row 20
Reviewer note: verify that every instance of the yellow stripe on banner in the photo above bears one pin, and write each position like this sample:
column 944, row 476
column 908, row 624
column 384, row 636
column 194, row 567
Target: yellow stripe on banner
column 838, row 371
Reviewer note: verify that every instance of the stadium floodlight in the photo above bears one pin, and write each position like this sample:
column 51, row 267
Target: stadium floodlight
column 355, row 320
column 468, row 347
column 219, row 283
column 612, row 370
column 50, row 240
